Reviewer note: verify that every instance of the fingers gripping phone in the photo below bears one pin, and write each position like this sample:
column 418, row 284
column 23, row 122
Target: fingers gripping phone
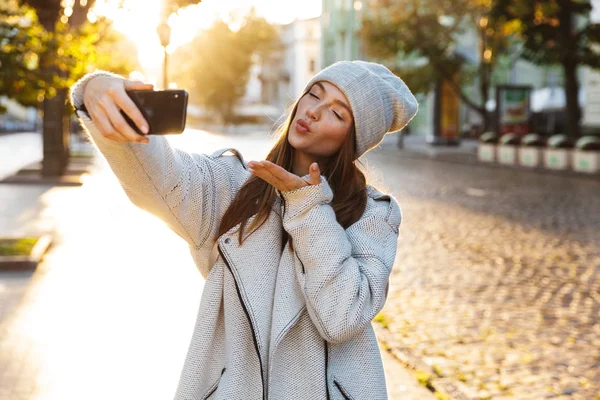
column 164, row 110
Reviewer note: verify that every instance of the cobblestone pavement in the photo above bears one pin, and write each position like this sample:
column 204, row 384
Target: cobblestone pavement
column 497, row 279
column 109, row 312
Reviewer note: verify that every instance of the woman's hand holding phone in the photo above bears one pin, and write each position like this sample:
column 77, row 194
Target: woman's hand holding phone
column 104, row 97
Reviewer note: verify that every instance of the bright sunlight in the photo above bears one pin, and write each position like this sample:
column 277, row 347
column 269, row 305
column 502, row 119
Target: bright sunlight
column 138, row 20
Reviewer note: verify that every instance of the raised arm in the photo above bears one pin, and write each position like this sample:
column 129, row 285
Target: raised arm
column 178, row 187
column 344, row 273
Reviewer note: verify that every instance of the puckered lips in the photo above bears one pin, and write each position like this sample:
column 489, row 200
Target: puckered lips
column 302, row 126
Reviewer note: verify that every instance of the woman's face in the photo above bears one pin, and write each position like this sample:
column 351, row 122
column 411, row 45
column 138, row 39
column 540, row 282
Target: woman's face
column 322, row 121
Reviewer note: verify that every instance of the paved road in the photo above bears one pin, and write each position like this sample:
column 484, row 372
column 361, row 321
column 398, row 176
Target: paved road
column 497, row 279
column 496, row 286
column 110, row 311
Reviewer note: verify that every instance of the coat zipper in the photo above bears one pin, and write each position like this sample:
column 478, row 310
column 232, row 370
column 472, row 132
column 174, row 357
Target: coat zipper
column 237, row 288
column 326, row 366
column 207, row 395
column 346, row 397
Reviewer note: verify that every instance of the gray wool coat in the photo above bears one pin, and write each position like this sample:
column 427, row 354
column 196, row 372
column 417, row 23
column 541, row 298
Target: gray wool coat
column 273, row 323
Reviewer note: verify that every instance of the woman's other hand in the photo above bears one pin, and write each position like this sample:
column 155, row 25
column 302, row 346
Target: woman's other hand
column 104, row 97
column 281, row 179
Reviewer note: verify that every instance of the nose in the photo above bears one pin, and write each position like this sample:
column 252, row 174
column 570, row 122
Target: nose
column 312, row 113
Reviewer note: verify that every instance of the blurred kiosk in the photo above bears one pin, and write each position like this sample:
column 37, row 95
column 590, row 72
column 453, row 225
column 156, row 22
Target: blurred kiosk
column 446, row 117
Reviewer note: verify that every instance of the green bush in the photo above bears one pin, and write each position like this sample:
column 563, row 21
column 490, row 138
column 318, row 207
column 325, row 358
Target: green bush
column 17, row 247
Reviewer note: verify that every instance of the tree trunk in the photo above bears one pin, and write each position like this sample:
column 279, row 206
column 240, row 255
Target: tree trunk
column 484, row 88
column 47, row 12
column 55, row 128
column 80, row 13
column 569, row 64
column 573, row 116
column 55, row 133
column 444, row 74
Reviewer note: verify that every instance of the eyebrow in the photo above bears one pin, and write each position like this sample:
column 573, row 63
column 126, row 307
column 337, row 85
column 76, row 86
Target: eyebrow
column 336, row 101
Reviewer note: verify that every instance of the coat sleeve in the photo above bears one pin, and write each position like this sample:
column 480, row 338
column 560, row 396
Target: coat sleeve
column 345, row 273
column 177, row 187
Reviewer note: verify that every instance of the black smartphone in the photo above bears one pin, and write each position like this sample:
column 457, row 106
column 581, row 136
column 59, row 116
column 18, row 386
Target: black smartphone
column 164, row 110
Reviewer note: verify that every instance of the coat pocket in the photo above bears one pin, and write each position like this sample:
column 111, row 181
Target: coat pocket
column 342, row 390
column 213, row 387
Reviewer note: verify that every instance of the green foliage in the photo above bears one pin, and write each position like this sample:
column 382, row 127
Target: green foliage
column 395, row 30
column 382, row 319
column 441, row 396
column 22, row 40
column 425, row 379
column 215, row 65
column 112, row 51
column 555, row 32
column 552, row 30
column 421, row 40
column 36, row 62
column 17, row 247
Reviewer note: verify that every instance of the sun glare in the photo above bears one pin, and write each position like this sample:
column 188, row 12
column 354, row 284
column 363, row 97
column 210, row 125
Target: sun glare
column 138, row 19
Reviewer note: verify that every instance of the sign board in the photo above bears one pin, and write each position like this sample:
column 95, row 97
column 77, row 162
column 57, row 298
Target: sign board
column 513, row 109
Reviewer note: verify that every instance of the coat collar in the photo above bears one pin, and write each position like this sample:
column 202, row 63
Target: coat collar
column 260, row 263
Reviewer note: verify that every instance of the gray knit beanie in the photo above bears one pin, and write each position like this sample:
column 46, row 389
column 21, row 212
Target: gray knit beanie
column 380, row 101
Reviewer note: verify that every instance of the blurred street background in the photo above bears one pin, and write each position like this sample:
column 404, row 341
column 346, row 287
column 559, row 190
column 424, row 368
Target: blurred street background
column 495, row 292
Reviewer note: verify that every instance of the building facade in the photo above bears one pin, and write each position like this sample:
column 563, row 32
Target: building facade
column 286, row 71
column 340, row 25
column 302, row 58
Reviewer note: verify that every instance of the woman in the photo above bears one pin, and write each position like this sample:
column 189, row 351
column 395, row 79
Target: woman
column 296, row 250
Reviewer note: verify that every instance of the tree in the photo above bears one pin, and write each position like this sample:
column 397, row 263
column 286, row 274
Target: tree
column 215, row 65
column 44, row 51
column 65, row 44
column 22, row 40
column 421, row 41
column 556, row 32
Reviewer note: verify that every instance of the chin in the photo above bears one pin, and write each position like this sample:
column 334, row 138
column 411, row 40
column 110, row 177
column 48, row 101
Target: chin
column 293, row 138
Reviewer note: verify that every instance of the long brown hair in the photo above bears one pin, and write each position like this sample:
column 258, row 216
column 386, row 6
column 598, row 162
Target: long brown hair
column 346, row 180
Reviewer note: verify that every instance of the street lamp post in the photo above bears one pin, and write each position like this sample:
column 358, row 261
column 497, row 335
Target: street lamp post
column 164, row 33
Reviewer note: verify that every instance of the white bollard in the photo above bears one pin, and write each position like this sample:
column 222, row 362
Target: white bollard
column 486, row 152
column 587, row 161
column 557, row 159
column 507, row 154
column 530, row 156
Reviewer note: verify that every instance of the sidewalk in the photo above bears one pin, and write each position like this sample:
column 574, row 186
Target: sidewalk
column 466, row 153
column 416, row 146
column 100, row 307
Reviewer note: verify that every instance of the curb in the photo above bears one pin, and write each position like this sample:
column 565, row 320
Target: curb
column 446, row 387
column 30, row 262
column 471, row 159
column 77, row 169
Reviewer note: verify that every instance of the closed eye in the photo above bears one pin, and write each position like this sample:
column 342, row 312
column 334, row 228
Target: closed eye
column 338, row 116
column 313, row 95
